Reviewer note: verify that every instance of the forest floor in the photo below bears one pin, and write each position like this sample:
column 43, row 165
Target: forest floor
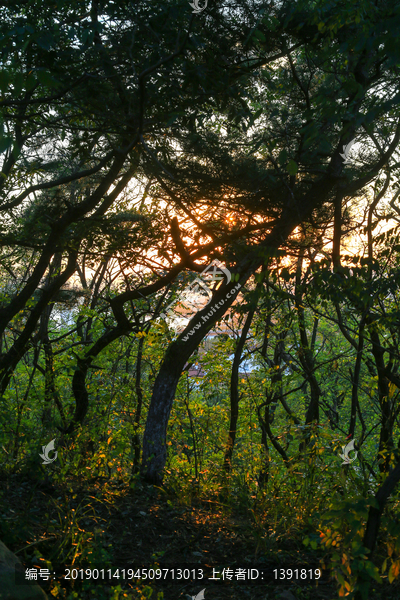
column 108, row 524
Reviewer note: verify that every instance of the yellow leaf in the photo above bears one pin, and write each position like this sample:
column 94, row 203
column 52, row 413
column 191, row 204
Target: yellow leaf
column 391, row 576
column 396, row 568
column 394, row 571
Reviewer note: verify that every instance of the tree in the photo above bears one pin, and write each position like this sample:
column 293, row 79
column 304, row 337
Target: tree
column 310, row 105
column 89, row 93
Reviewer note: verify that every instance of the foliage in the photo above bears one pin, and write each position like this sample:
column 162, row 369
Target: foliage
column 140, row 142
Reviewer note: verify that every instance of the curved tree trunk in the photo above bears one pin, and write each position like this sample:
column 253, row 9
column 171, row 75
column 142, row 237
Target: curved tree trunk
column 79, row 379
column 295, row 211
column 10, row 359
column 179, row 352
column 177, row 355
column 154, row 450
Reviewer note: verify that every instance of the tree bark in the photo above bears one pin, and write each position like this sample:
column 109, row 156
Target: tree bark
column 355, row 379
column 79, row 379
column 306, row 354
column 9, row 361
column 154, row 440
column 234, row 396
column 295, row 211
column 267, row 432
column 337, row 231
column 386, row 444
column 375, row 513
column 139, row 405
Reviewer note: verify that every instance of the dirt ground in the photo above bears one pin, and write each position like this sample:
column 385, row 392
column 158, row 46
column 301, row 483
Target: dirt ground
column 143, row 526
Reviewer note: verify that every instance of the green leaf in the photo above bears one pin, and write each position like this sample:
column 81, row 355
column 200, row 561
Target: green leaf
column 45, row 41
column 282, row 158
column 340, row 578
column 285, row 274
column 373, row 571
column 18, row 83
column 4, row 80
column 30, row 82
column 46, row 79
column 258, row 35
column 292, row 167
column 5, row 142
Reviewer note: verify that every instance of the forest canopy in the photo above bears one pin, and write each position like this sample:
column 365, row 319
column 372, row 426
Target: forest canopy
column 140, row 142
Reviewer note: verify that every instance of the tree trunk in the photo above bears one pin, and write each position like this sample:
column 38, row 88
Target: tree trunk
column 178, row 353
column 355, row 379
column 138, row 412
column 79, row 388
column 386, row 444
column 337, row 230
column 375, row 513
column 9, row 361
column 266, row 429
column 234, row 396
column 264, row 471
